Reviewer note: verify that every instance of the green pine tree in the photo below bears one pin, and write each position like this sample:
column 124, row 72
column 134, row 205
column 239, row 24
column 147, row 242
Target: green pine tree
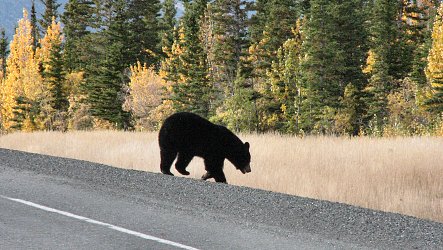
column 258, row 19
column 78, row 22
column 228, row 43
column 55, row 77
column 51, row 10
column 285, row 82
column 384, row 66
column 194, row 92
column 4, row 51
column 105, row 78
column 34, row 25
column 238, row 112
column 144, row 36
column 26, row 110
column 272, row 26
column 334, row 52
column 435, row 103
column 168, row 24
column 275, row 22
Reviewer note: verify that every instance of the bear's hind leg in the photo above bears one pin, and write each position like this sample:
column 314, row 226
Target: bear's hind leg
column 183, row 161
column 167, row 158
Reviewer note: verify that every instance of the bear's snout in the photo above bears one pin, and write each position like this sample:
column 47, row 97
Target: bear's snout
column 247, row 169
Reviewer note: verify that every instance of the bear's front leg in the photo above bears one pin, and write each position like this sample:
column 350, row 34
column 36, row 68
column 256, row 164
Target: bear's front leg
column 214, row 168
column 207, row 176
column 219, row 176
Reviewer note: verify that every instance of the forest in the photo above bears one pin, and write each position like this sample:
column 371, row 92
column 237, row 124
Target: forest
column 355, row 67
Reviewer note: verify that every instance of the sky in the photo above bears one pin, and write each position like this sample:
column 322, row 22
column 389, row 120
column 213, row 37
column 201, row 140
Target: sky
column 12, row 10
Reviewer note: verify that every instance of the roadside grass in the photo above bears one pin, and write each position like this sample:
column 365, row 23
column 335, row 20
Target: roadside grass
column 402, row 175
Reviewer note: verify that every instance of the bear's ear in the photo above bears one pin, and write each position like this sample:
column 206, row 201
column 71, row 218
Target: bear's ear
column 247, row 145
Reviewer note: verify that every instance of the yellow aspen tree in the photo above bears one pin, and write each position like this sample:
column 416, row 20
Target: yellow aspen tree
column 54, row 101
column 370, row 61
column 435, row 58
column 79, row 117
column 52, row 38
column 2, row 86
column 144, row 101
column 434, row 71
column 23, row 78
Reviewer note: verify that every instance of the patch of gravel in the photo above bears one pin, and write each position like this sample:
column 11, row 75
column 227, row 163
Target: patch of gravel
column 285, row 214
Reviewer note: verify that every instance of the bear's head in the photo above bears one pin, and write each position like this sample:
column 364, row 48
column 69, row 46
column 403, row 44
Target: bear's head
column 241, row 158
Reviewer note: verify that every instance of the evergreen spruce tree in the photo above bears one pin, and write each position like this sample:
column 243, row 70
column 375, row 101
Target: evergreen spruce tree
column 352, row 37
column 226, row 42
column 239, row 111
column 4, row 51
column 51, row 10
column 54, row 76
column 275, row 21
column 422, row 17
column 385, row 66
column 258, row 19
column 171, row 63
column 168, row 24
column 106, row 78
column 348, row 119
column 25, row 114
column 170, row 44
column 194, row 91
column 419, row 62
column 272, row 26
column 34, row 23
column 143, row 41
column 229, row 43
column 334, row 52
column 285, row 81
column 78, row 22
column 283, row 15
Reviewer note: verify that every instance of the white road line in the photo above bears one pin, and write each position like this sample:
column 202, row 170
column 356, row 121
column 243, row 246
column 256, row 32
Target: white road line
column 110, row 226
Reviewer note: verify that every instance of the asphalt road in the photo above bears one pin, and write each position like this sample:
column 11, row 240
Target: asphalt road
column 56, row 203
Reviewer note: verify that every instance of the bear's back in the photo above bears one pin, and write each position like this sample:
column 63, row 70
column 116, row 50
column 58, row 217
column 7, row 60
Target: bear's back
column 184, row 122
column 187, row 131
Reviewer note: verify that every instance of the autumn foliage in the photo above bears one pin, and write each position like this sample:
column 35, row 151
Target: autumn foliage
column 23, row 81
column 328, row 67
column 145, row 97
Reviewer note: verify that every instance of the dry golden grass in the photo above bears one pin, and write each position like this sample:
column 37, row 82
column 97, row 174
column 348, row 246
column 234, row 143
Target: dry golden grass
column 403, row 175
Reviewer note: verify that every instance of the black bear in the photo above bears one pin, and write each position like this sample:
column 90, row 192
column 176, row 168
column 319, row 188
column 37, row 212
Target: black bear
column 188, row 135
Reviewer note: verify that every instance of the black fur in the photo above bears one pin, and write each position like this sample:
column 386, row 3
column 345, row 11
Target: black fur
column 187, row 135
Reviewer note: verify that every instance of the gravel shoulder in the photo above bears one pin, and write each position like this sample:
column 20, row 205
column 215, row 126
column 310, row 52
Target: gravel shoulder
column 276, row 213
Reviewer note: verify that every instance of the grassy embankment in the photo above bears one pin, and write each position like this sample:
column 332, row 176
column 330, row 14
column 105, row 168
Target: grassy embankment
column 402, row 175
